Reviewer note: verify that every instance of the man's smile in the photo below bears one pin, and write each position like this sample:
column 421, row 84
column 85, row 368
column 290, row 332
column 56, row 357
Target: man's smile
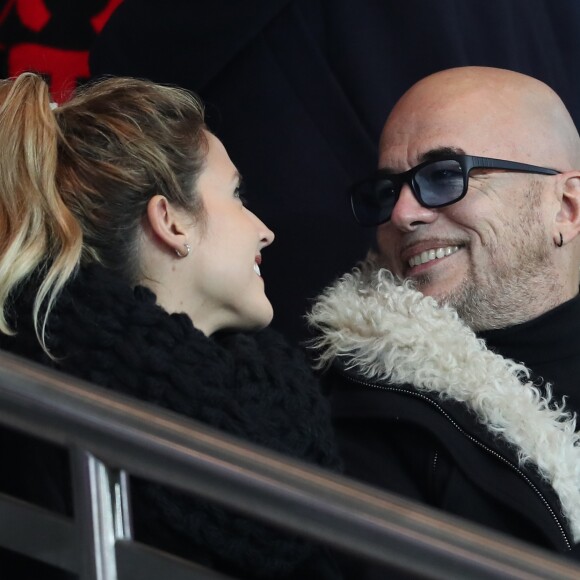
column 432, row 254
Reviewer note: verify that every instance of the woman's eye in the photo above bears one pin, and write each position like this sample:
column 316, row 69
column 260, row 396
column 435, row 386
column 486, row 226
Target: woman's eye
column 240, row 192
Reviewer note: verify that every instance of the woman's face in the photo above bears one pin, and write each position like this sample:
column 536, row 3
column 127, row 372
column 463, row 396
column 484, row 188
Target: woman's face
column 223, row 267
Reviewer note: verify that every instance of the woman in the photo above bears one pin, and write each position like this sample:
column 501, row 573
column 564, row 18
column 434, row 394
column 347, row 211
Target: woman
column 129, row 259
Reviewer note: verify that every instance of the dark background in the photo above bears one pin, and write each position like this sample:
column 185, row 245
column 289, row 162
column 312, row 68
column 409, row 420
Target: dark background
column 298, row 91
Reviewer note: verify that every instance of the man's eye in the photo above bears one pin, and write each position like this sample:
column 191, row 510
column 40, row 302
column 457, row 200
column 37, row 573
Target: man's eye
column 445, row 175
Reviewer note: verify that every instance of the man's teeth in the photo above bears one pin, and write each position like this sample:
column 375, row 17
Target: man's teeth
column 430, row 255
column 257, row 269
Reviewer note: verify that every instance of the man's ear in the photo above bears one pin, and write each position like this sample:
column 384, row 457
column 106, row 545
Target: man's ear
column 568, row 216
column 167, row 224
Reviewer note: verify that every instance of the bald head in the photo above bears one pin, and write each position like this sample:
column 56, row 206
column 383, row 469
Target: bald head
column 483, row 111
column 509, row 248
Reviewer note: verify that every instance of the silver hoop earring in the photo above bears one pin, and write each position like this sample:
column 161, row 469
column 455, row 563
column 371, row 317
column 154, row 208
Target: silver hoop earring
column 187, row 250
column 559, row 245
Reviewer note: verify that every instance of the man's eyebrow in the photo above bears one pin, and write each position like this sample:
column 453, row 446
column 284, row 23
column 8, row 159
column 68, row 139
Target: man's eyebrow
column 440, row 153
column 432, row 155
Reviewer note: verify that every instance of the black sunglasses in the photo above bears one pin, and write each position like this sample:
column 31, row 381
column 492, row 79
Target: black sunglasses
column 433, row 183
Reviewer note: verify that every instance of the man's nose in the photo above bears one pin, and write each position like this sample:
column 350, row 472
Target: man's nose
column 409, row 213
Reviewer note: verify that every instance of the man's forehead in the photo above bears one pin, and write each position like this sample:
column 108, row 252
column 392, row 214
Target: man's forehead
column 414, row 135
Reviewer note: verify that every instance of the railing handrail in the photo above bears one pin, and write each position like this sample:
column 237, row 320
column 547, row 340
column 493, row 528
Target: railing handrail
column 165, row 447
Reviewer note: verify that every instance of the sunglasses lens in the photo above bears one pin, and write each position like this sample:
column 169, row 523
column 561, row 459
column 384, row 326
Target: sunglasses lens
column 435, row 184
column 440, row 183
column 373, row 200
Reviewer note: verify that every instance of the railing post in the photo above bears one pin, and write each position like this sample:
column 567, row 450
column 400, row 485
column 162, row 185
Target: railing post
column 102, row 514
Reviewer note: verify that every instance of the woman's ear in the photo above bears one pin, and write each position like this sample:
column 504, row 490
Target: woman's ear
column 167, row 224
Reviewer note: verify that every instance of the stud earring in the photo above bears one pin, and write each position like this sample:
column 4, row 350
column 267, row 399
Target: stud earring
column 187, row 248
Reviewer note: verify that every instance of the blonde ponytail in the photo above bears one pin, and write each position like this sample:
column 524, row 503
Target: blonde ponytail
column 38, row 233
column 75, row 181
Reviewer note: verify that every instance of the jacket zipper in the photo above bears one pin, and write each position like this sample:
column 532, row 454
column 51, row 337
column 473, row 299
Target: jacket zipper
column 481, row 445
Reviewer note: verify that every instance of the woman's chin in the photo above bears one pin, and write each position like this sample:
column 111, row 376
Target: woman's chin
column 265, row 317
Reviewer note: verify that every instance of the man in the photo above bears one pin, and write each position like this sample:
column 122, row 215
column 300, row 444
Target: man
column 491, row 248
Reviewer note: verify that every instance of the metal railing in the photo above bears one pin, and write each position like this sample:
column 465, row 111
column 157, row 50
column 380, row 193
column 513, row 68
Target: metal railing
column 111, row 435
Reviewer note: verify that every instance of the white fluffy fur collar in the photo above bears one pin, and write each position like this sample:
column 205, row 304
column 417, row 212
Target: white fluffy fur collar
column 388, row 331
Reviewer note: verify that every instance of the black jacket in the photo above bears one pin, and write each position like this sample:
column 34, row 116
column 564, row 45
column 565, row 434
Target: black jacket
column 424, row 409
column 251, row 385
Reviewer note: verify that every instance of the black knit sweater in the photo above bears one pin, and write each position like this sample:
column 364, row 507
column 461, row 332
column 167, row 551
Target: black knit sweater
column 252, row 385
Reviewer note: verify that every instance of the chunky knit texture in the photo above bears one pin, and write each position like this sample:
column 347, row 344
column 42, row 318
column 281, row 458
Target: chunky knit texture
column 251, row 385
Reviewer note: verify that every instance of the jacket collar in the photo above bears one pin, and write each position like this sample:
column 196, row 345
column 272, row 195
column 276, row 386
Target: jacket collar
column 387, row 331
column 549, row 337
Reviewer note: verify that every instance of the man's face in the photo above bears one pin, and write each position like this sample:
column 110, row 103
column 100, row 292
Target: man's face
column 489, row 255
